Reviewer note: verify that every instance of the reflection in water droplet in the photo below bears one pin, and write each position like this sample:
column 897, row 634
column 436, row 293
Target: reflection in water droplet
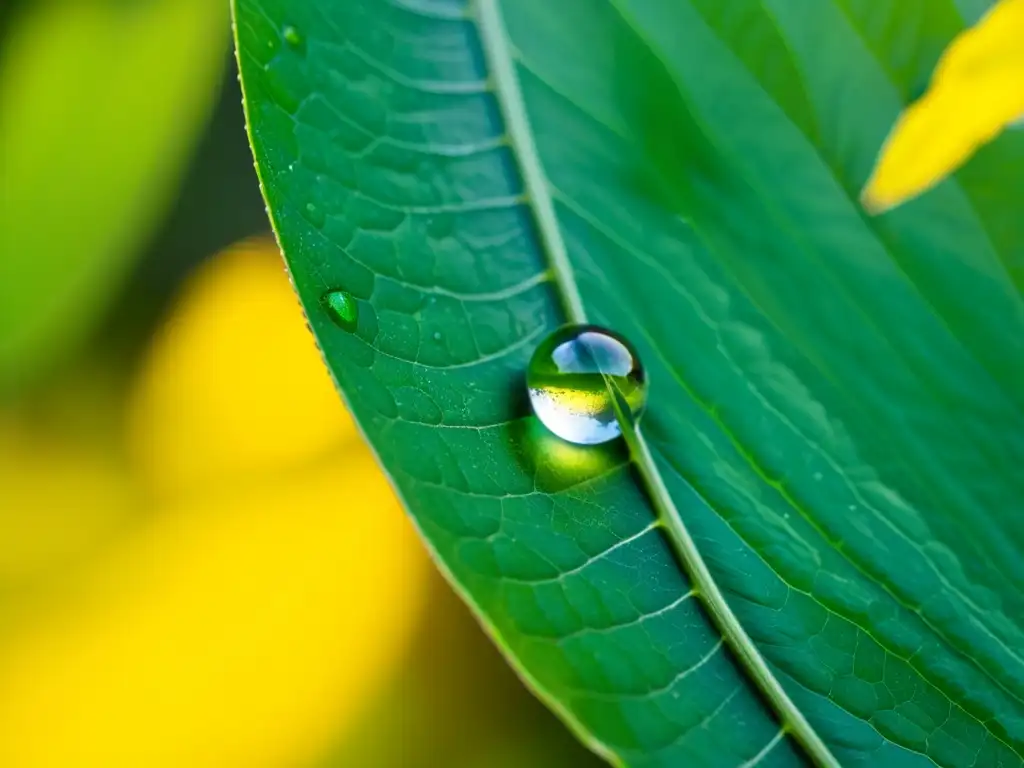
column 342, row 308
column 573, row 376
column 292, row 36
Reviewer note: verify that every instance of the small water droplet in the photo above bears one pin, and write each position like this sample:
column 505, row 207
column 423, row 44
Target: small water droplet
column 437, row 335
column 342, row 308
column 293, row 37
column 573, row 376
column 315, row 215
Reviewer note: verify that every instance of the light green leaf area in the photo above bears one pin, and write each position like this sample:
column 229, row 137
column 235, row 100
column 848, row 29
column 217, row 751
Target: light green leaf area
column 836, row 401
column 100, row 103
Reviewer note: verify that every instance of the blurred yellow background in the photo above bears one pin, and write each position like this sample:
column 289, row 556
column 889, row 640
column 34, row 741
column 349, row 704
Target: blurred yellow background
column 200, row 563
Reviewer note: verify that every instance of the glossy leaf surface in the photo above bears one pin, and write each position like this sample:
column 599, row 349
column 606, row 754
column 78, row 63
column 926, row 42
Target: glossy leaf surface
column 835, row 403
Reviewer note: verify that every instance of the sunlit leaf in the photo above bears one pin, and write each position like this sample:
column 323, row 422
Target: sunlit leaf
column 835, row 407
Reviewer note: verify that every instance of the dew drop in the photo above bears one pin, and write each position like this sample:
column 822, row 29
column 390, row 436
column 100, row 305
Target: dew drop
column 293, row 37
column 315, row 215
column 437, row 335
column 573, row 376
column 342, row 308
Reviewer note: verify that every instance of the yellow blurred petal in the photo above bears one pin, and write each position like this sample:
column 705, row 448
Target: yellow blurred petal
column 235, row 385
column 61, row 497
column 976, row 91
column 240, row 631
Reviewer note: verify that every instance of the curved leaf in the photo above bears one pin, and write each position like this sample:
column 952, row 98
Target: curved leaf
column 835, row 414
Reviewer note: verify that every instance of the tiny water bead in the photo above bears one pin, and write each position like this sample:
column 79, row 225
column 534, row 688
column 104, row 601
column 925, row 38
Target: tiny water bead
column 573, row 377
column 315, row 215
column 342, row 308
column 292, row 36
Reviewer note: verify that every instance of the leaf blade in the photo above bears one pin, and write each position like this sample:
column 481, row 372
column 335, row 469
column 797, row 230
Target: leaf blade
column 764, row 394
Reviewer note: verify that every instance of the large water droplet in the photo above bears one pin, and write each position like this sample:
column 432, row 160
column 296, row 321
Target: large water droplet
column 573, row 376
column 342, row 308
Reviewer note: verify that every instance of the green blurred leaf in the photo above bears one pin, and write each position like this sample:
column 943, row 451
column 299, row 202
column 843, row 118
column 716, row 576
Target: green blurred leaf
column 100, row 103
column 836, row 403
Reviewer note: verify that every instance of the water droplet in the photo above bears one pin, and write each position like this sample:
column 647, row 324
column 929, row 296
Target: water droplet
column 573, row 376
column 315, row 215
column 437, row 335
column 342, row 309
column 293, row 37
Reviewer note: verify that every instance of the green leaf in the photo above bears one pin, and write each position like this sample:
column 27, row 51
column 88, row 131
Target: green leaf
column 816, row 535
column 100, row 103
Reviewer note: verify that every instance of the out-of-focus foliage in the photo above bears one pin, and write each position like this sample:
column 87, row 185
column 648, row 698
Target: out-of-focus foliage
column 976, row 91
column 100, row 104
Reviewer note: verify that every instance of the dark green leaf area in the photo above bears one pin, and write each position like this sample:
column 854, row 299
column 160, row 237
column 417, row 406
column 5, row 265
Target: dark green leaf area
column 835, row 401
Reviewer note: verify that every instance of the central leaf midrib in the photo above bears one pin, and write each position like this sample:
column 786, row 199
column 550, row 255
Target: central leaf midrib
column 497, row 52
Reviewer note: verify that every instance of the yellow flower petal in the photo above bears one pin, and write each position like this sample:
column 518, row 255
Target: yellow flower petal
column 242, row 630
column 249, row 618
column 976, row 91
column 235, row 385
column 63, row 496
